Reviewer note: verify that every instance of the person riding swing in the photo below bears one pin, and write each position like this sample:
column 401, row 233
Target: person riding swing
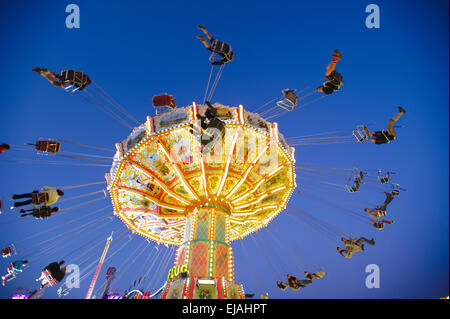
column 335, row 79
column 385, row 136
column 70, row 80
column 221, row 51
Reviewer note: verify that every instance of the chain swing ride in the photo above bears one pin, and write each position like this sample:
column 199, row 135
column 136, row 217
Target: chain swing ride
column 194, row 179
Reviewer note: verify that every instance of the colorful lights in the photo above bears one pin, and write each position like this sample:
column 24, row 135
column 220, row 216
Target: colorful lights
column 232, row 188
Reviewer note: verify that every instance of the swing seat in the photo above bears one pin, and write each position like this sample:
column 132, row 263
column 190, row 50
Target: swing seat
column 39, row 198
column 162, row 100
column 383, row 176
column 396, row 189
column 290, row 100
column 74, row 80
column 221, row 53
column 351, row 185
column 336, row 77
column 385, row 134
column 47, row 146
column 360, row 134
column 51, row 281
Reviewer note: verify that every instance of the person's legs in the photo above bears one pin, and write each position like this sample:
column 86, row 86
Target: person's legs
column 49, row 75
column 391, row 127
column 205, row 43
column 332, row 65
column 362, row 239
column 27, row 195
column 41, row 277
column 39, row 70
column 27, row 202
column 330, row 68
column 393, row 120
column 389, row 198
column 52, row 77
column 54, row 80
column 210, row 38
column 372, row 213
column 44, row 283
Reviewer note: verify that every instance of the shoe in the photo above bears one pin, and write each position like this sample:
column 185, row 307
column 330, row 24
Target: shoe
column 372, row 242
column 337, row 54
column 401, row 110
column 12, row 207
column 201, row 27
column 200, row 37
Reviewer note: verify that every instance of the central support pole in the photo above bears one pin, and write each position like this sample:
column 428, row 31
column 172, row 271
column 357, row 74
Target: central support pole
column 206, row 254
column 206, row 250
